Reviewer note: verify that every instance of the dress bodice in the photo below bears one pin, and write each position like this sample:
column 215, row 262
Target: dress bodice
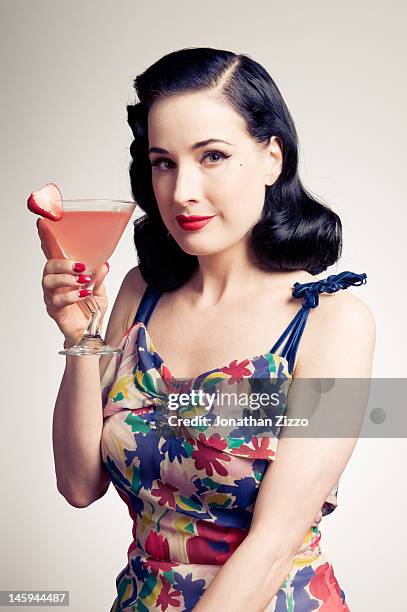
column 191, row 489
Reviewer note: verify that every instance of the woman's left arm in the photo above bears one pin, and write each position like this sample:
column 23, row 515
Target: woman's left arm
column 305, row 470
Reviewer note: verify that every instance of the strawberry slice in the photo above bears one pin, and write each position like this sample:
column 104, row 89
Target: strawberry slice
column 47, row 202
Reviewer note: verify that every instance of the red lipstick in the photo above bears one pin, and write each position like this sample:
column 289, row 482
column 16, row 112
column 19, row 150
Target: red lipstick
column 193, row 222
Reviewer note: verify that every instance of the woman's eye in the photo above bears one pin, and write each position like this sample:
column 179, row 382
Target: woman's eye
column 157, row 163
column 215, row 156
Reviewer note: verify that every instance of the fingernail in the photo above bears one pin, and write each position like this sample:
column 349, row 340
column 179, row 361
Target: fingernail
column 108, row 266
column 84, row 278
column 79, row 267
column 84, row 292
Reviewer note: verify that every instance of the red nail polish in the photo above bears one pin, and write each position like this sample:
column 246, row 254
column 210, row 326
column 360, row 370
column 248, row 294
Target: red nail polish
column 79, row 267
column 84, row 278
column 85, row 292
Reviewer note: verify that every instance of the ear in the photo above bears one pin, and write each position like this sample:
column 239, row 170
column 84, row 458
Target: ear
column 274, row 160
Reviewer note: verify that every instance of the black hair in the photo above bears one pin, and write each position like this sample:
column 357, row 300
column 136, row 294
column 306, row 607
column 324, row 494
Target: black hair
column 295, row 231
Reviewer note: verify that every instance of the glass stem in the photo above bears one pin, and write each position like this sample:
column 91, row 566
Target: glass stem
column 93, row 325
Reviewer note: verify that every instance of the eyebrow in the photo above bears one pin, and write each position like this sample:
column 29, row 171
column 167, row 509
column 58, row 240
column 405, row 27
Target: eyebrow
column 197, row 145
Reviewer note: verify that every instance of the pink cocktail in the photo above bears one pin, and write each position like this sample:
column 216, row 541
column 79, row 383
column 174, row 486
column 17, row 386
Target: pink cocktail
column 89, row 236
column 89, row 231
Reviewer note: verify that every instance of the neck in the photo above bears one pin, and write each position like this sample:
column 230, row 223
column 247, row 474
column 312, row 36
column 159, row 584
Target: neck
column 224, row 277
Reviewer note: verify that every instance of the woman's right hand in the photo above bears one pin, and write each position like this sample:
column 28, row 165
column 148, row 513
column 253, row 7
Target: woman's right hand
column 61, row 289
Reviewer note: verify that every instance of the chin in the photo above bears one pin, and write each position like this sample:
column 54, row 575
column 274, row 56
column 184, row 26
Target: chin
column 189, row 244
column 190, row 250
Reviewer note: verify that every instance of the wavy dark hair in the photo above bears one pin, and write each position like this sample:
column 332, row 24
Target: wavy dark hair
column 295, row 231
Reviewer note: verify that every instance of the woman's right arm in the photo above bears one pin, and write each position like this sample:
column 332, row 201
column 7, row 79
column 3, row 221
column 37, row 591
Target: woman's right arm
column 78, row 419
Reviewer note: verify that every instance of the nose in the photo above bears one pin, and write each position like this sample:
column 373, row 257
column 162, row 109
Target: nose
column 187, row 186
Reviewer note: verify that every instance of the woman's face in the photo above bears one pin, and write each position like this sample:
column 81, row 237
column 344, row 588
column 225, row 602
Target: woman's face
column 192, row 176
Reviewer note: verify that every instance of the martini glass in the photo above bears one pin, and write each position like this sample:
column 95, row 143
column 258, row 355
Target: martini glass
column 89, row 231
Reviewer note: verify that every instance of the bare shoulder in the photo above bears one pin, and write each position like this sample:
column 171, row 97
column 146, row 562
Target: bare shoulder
column 134, row 284
column 123, row 310
column 339, row 338
column 128, row 299
column 344, row 307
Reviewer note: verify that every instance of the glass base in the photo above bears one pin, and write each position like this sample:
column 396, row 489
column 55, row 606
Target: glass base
column 90, row 345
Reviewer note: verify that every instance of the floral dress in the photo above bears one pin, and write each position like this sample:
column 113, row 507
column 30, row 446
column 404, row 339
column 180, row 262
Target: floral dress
column 191, row 494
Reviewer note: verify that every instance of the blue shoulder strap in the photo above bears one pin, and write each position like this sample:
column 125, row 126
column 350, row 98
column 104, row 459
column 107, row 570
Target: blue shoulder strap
column 309, row 292
column 146, row 306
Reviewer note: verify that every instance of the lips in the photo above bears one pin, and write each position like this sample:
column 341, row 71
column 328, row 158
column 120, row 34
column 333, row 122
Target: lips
column 193, row 222
column 188, row 218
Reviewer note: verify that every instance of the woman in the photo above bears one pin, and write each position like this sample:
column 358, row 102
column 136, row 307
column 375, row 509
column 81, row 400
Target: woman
column 214, row 528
